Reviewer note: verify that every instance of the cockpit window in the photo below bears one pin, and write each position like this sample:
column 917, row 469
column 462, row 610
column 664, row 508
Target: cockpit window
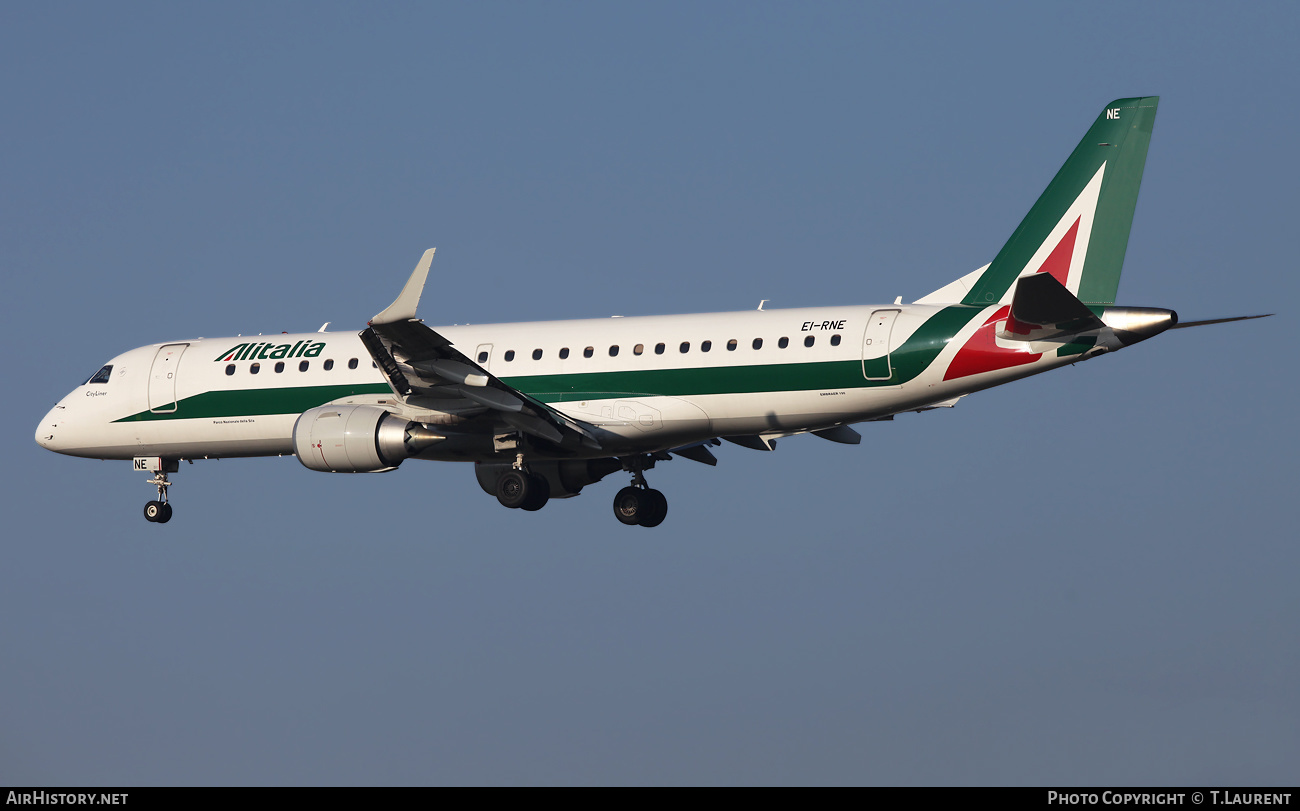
column 101, row 376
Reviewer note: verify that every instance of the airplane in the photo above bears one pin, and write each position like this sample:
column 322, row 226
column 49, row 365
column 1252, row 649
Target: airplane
column 545, row 409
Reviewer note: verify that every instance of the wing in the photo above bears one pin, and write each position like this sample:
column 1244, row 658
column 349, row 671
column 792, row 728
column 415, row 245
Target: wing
column 423, row 367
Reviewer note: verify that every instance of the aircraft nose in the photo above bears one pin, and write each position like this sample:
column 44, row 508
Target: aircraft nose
column 48, row 430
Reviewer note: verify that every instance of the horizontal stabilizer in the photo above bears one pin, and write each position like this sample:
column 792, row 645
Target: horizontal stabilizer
column 1042, row 306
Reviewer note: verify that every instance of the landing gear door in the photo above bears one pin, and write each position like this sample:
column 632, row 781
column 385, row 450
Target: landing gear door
column 875, row 345
column 162, row 378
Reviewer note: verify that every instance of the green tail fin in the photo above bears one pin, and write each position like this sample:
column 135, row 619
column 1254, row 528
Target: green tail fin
column 1078, row 230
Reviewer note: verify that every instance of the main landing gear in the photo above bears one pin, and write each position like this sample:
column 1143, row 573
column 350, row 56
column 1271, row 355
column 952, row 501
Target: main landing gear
column 639, row 503
column 520, row 490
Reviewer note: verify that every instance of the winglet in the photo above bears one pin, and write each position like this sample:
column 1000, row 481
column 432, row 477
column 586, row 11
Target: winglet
column 403, row 309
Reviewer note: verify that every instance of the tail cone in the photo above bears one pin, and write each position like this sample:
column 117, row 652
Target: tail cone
column 1134, row 324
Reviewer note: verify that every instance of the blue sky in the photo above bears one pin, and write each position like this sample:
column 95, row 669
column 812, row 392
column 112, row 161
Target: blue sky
column 1085, row 578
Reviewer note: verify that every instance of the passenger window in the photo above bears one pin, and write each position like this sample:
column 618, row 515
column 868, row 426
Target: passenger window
column 329, row 364
column 255, row 368
column 809, row 341
column 564, row 353
column 374, row 365
column 758, row 343
column 101, row 376
column 731, row 345
column 279, row 366
column 685, row 347
column 613, row 351
column 302, row 367
column 510, row 355
column 230, row 370
column 482, row 357
column 537, row 354
column 638, row 349
column 835, row 340
column 588, row 352
column 352, row 364
column 783, row 343
column 705, row 346
column 659, row 349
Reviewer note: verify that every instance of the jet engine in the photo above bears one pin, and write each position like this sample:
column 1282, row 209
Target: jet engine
column 358, row 439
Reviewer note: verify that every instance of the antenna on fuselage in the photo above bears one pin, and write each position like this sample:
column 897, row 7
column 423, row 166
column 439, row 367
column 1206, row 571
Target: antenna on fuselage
column 323, row 326
column 761, row 303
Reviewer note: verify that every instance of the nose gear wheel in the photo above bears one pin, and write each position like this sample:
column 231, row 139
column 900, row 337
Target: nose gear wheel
column 158, row 512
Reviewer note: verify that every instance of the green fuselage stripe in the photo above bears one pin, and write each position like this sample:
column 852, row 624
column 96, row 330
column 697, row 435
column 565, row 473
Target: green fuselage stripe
column 688, row 382
column 251, row 402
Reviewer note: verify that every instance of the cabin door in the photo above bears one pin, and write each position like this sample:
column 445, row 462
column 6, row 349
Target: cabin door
column 875, row 345
column 162, row 378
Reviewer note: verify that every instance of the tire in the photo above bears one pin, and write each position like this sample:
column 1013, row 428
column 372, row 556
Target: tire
column 514, row 488
column 657, row 508
column 539, row 492
column 629, row 506
column 153, row 511
column 166, row 514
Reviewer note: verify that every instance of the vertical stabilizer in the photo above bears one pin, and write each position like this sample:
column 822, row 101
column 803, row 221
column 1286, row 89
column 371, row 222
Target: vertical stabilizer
column 1078, row 230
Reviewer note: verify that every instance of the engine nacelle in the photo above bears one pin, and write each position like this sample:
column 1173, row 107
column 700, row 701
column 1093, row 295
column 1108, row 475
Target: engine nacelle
column 357, row 439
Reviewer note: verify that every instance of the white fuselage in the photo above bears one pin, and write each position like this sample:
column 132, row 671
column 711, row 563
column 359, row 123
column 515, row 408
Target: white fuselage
column 765, row 373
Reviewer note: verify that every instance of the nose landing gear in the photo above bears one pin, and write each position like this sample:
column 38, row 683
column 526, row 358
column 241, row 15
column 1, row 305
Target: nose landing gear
column 160, row 511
